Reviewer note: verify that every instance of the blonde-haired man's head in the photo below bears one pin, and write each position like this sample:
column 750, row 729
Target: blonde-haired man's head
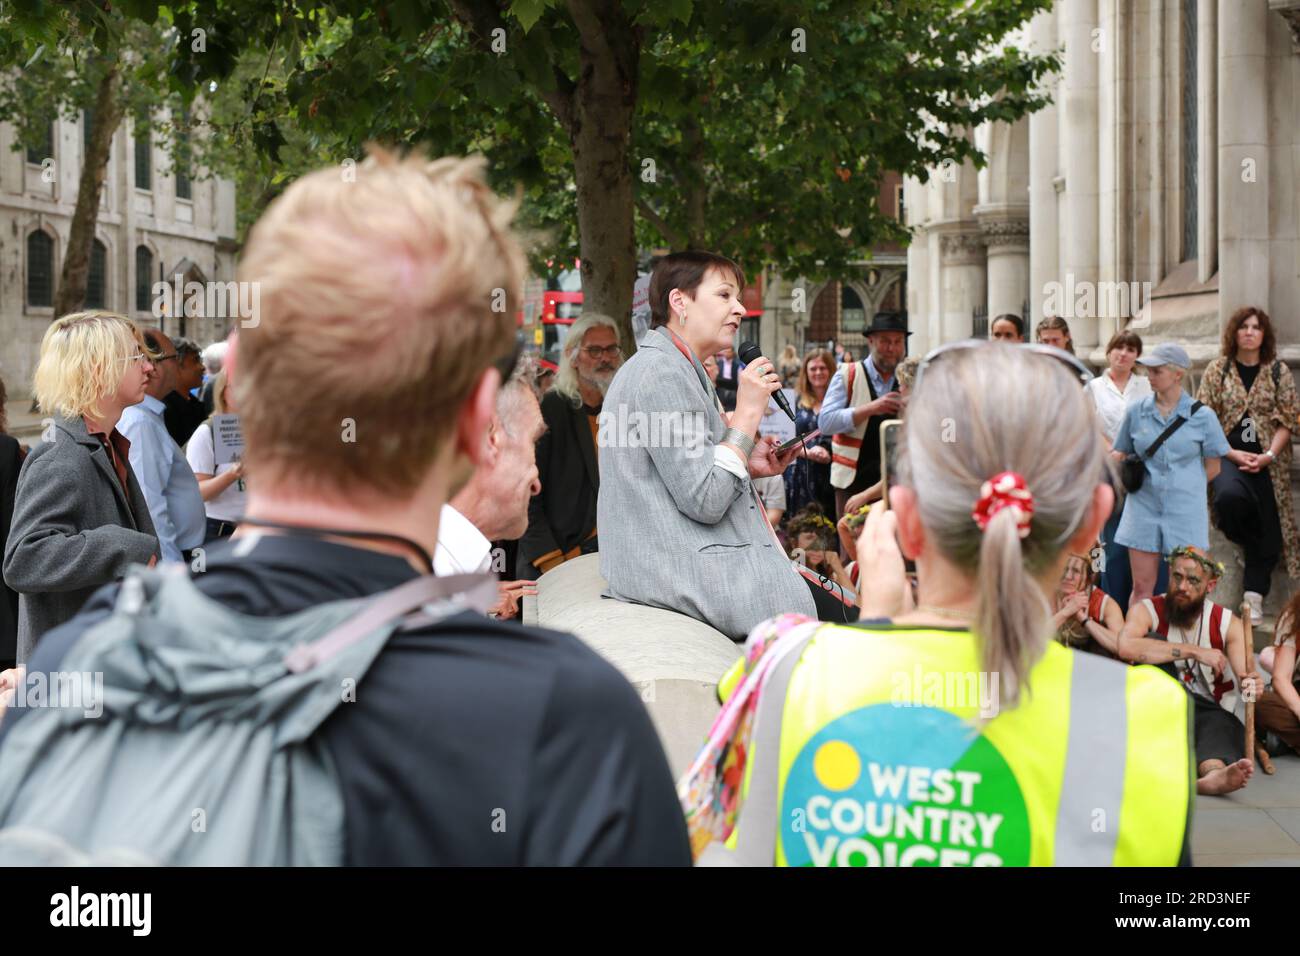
column 90, row 363
column 387, row 290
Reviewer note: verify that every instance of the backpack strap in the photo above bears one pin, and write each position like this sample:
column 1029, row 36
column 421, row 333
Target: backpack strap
column 432, row 597
column 1277, row 373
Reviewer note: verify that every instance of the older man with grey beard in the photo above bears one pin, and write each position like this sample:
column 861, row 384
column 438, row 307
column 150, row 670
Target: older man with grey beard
column 562, row 518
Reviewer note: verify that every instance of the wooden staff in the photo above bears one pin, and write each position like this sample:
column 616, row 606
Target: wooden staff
column 1250, row 667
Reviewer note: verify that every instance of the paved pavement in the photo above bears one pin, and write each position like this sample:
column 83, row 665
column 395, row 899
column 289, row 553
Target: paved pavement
column 1257, row 826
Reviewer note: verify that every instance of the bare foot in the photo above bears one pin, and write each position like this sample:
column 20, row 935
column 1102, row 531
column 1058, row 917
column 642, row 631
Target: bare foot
column 1226, row 779
column 1265, row 761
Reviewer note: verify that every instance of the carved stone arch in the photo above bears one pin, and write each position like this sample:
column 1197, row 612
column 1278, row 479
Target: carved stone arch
column 39, row 224
column 1003, row 180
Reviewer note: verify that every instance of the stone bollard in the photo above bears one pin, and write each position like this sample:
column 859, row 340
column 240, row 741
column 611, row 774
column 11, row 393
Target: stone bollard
column 672, row 660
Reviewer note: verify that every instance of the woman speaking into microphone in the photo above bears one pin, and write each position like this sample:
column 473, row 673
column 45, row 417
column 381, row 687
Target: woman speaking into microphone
column 680, row 525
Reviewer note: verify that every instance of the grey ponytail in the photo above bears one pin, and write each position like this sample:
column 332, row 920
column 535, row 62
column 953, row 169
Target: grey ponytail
column 978, row 412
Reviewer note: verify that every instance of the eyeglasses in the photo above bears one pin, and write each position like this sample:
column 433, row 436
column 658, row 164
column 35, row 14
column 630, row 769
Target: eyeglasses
column 166, row 357
column 1077, row 368
column 136, row 358
column 594, row 352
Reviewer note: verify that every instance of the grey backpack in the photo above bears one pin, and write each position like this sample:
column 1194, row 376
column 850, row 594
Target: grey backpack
column 197, row 746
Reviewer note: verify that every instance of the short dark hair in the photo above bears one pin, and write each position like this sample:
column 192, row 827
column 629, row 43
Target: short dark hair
column 153, row 343
column 685, row 271
column 1125, row 339
column 1267, row 349
column 186, row 347
column 1014, row 319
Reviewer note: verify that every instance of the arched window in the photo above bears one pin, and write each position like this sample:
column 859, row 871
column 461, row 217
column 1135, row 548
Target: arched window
column 143, row 155
column 143, row 277
column 97, row 277
column 40, row 269
column 853, row 314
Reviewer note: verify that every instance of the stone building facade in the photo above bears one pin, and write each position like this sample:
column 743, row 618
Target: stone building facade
column 152, row 225
column 1160, row 191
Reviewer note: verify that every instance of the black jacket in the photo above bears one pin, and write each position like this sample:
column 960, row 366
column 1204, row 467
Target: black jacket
column 10, row 462
column 563, row 515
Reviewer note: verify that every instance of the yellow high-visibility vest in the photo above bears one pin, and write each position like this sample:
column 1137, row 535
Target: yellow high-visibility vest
column 893, row 749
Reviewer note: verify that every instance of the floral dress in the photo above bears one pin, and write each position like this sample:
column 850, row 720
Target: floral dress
column 1272, row 407
column 808, row 481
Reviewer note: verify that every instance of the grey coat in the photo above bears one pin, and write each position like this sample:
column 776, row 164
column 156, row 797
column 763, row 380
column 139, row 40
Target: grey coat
column 676, row 530
column 73, row 530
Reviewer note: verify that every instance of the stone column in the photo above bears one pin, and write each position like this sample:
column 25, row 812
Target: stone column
column 1044, row 250
column 1005, row 233
column 1244, row 223
column 1079, row 145
column 963, row 280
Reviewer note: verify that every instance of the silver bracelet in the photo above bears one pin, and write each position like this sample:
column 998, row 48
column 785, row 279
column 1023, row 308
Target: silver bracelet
column 734, row 436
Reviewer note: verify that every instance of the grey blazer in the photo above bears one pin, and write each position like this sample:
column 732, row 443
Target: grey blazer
column 676, row 530
column 73, row 530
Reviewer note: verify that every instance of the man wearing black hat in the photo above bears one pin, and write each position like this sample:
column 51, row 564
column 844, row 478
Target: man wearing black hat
column 861, row 396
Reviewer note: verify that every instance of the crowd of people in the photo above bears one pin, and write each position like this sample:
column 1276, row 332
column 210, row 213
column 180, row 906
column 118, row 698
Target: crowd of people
column 403, row 476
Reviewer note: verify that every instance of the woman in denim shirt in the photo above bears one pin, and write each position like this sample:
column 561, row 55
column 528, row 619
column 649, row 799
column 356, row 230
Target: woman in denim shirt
column 1170, row 509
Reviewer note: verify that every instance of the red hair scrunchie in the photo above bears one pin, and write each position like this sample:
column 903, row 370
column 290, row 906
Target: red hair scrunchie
column 1004, row 490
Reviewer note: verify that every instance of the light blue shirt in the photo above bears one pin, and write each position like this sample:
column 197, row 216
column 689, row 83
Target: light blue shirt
column 1170, row 509
column 169, row 485
column 837, row 414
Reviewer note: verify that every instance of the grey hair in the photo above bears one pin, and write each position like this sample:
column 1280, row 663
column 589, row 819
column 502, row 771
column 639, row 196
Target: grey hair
column 523, row 381
column 214, row 356
column 968, row 421
column 186, row 347
column 566, row 378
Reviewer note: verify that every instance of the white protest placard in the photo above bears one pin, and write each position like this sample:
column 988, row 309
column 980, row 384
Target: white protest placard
column 776, row 422
column 227, row 439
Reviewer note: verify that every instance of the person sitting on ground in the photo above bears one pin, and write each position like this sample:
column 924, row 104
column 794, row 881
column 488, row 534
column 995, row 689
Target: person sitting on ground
column 493, row 505
column 468, row 742
column 80, row 517
column 1007, row 327
column 872, row 744
column 185, row 412
column 1202, row 644
column 1278, row 710
column 222, row 486
column 808, row 534
column 168, row 482
column 1084, row 616
column 562, row 516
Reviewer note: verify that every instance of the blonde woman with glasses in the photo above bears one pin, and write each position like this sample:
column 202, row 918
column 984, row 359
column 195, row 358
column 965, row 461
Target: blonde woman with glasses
column 80, row 518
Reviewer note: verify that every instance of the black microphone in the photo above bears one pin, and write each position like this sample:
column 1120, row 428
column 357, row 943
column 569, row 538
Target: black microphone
column 749, row 351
